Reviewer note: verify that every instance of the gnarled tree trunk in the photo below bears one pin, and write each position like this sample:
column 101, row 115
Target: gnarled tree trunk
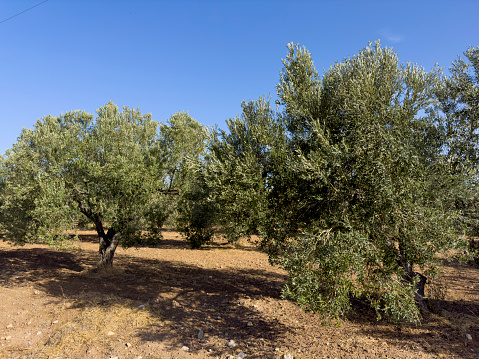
column 107, row 250
column 410, row 276
column 108, row 242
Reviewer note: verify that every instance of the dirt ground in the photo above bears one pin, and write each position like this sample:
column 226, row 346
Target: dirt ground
column 217, row 302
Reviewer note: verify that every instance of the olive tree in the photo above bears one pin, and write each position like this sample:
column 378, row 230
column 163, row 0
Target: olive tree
column 341, row 183
column 74, row 168
column 365, row 156
column 459, row 104
column 183, row 143
column 230, row 184
column 458, row 114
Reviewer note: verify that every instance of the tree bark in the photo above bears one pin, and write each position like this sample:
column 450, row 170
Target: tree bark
column 108, row 242
column 107, row 251
column 409, row 277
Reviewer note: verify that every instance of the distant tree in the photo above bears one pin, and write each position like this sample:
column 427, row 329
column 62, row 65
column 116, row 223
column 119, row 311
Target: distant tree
column 107, row 170
column 183, row 142
column 458, row 114
column 231, row 183
column 459, row 103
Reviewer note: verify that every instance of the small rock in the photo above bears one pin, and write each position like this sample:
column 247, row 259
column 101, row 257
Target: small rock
column 231, row 344
column 128, row 345
column 55, row 322
column 469, row 336
column 36, row 292
column 241, row 355
column 110, row 333
column 185, row 348
column 39, row 333
column 10, row 326
column 141, row 306
column 200, row 334
column 68, row 305
column 288, row 356
column 113, row 357
column 8, row 337
column 249, row 324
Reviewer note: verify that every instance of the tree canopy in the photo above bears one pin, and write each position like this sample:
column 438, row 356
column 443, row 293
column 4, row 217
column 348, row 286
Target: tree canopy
column 341, row 181
column 74, row 168
column 354, row 183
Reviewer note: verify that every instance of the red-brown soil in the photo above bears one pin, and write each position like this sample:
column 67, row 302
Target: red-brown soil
column 157, row 300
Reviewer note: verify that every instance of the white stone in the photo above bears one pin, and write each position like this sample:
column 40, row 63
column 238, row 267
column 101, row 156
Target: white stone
column 185, row 348
column 241, row 355
column 249, row 324
column 469, row 336
column 288, row 356
column 231, row 344
column 200, row 334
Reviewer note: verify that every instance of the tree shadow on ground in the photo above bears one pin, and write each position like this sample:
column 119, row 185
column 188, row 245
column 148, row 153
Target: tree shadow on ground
column 180, row 243
column 186, row 298
column 443, row 330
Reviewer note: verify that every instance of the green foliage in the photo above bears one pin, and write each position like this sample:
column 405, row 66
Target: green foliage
column 197, row 213
column 183, row 141
column 458, row 114
column 342, row 183
column 362, row 169
column 458, row 97
column 107, row 170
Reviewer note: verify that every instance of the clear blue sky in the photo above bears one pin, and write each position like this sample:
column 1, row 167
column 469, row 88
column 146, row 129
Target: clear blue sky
column 202, row 56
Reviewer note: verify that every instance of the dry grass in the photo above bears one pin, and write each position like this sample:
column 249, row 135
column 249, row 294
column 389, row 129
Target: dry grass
column 99, row 320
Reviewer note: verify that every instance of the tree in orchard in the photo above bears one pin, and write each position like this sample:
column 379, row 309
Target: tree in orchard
column 183, row 143
column 341, row 183
column 231, row 183
column 75, row 168
column 459, row 103
column 368, row 221
column 458, row 113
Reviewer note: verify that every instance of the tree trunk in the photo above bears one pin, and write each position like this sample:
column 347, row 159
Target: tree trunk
column 410, row 277
column 419, row 294
column 107, row 250
column 108, row 242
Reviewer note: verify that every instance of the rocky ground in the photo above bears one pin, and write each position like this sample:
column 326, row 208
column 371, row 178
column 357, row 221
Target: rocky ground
column 218, row 302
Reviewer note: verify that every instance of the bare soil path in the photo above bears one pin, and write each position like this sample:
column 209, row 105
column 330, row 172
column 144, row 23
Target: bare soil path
column 173, row 302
